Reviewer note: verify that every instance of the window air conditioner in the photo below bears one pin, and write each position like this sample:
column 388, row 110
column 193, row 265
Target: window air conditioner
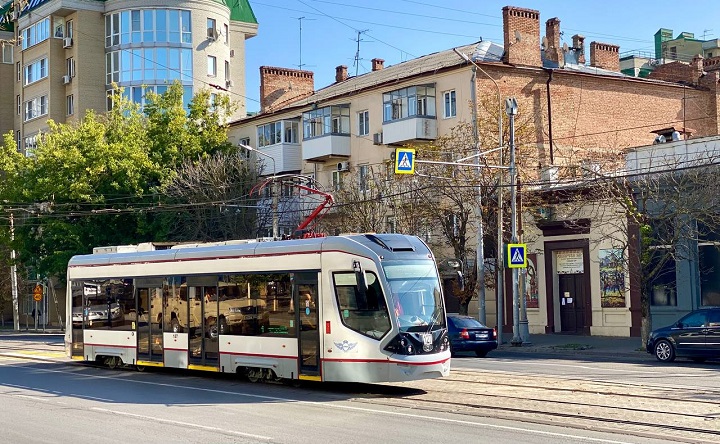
column 229, row 83
column 67, row 42
column 377, row 139
column 343, row 166
column 232, row 53
column 212, row 34
column 66, row 79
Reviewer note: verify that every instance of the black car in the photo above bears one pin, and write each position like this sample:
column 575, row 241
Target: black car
column 468, row 334
column 696, row 336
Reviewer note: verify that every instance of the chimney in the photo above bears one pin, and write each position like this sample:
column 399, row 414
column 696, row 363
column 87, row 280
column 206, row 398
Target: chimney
column 378, row 64
column 281, row 86
column 341, row 73
column 579, row 47
column 605, row 56
column 553, row 51
column 521, row 31
column 697, row 65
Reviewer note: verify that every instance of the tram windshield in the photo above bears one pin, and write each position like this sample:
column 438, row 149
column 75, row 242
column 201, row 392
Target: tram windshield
column 416, row 297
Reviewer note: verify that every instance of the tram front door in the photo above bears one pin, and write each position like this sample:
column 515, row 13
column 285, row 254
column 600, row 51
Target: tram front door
column 306, row 292
column 148, row 325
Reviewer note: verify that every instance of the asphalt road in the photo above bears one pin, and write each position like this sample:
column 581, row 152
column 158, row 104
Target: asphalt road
column 44, row 398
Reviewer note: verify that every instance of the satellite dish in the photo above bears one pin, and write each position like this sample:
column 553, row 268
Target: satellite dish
column 544, row 43
column 518, row 36
column 565, row 47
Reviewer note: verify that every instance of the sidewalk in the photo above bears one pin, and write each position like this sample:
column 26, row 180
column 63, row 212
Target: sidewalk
column 561, row 344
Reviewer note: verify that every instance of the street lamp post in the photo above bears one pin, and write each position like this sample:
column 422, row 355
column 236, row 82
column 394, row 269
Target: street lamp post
column 498, row 266
column 511, row 109
column 274, row 191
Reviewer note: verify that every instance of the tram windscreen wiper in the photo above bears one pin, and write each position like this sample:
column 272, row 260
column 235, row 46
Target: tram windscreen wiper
column 434, row 318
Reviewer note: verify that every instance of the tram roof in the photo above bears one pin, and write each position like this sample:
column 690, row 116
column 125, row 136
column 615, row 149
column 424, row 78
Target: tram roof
column 389, row 246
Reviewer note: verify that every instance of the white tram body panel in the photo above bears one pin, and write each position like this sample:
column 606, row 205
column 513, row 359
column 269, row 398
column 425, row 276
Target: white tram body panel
column 337, row 342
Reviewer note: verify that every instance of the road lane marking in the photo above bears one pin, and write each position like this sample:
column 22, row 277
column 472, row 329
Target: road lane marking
column 331, row 405
column 182, row 423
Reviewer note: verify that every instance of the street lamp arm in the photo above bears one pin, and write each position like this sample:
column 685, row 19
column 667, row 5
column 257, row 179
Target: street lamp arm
column 254, row 150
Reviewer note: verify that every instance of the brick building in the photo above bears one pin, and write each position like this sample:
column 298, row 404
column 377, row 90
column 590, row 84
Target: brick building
column 577, row 115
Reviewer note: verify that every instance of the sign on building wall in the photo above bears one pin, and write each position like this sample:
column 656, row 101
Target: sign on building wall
column 569, row 261
column 532, row 299
column 612, row 278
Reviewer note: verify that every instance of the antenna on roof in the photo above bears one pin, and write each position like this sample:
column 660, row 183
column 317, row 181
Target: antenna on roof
column 356, row 63
column 300, row 19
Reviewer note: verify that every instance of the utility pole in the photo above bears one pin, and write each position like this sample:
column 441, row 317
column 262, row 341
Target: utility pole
column 13, row 278
column 480, row 249
column 511, row 109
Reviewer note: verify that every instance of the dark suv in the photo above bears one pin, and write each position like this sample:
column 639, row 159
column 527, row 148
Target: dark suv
column 696, row 336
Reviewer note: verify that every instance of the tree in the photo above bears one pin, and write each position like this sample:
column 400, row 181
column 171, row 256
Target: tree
column 100, row 181
column 210, row 199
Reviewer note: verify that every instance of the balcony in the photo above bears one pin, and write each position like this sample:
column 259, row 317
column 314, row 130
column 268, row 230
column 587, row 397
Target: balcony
column 398, row 132
column 286, row 155
column 326, row 147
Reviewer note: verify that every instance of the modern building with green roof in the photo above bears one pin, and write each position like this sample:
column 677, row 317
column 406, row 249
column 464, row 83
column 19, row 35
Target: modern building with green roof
column 62, row 56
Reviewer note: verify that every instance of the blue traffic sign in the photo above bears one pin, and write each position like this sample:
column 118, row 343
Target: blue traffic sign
column 404, row 161
column 517, row 255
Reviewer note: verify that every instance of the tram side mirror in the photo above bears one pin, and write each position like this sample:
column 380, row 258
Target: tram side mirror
column 360, row 276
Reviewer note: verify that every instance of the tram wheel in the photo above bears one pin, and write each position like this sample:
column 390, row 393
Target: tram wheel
column 254, row 374
column 112, row 362
column 140, row 368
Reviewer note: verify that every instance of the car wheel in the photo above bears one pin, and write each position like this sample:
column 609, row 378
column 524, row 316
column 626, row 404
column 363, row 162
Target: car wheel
column 664, row 351
column 481, row 353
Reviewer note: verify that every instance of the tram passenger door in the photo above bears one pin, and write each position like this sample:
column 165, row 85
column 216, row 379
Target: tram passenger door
column 203, row 345
column 306, row 292
column 148, row 324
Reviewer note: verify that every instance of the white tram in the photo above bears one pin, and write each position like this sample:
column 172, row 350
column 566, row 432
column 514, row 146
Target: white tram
column 358, row 308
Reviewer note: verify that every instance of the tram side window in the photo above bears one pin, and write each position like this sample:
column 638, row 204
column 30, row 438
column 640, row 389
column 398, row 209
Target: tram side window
column 365, row 313
column 256, row 305
column 108, row 304
column 175, row 309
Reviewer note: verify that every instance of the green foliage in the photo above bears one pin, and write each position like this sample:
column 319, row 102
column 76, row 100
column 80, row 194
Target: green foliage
column 100, row 181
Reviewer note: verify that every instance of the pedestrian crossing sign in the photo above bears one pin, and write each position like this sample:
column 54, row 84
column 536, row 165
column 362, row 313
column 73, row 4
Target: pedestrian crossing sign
column 404, row 161
column 517, row 255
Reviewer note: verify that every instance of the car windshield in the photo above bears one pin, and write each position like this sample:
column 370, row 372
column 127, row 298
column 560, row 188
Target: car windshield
column 416, row 296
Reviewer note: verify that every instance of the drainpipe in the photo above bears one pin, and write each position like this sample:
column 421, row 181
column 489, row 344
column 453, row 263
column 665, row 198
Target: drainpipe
column 549, row 107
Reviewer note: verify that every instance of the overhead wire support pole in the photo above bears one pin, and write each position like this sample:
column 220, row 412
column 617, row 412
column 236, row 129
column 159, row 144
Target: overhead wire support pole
column 500, row 269
column 511, row 109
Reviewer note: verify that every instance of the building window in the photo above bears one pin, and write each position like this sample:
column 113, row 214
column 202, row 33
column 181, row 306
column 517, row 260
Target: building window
column 70, row 103
column 70, row 67
column 328, row 120
column 35, row 71
column 363, row 123
column 7, row 53
column 19, row 71
column 409, row 102
column 227, row 71
column 226, row 33
column 18, row 103
column 149, row 65
column 17, row 140
column 283, row 131
column 69, row 29
column 36, row 107
column 212, row 29
column 391, row 225
column 450, row 108
column 337, row 181
column 146, row 26
column 212, row 66
column 38, row 32
column 58, row 27
column 30, row 143
column 364, row 179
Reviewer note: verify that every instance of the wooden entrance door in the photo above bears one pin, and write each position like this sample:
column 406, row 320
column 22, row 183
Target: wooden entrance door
column 572, row 303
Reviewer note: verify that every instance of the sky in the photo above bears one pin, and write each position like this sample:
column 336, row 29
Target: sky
column 399, row 30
